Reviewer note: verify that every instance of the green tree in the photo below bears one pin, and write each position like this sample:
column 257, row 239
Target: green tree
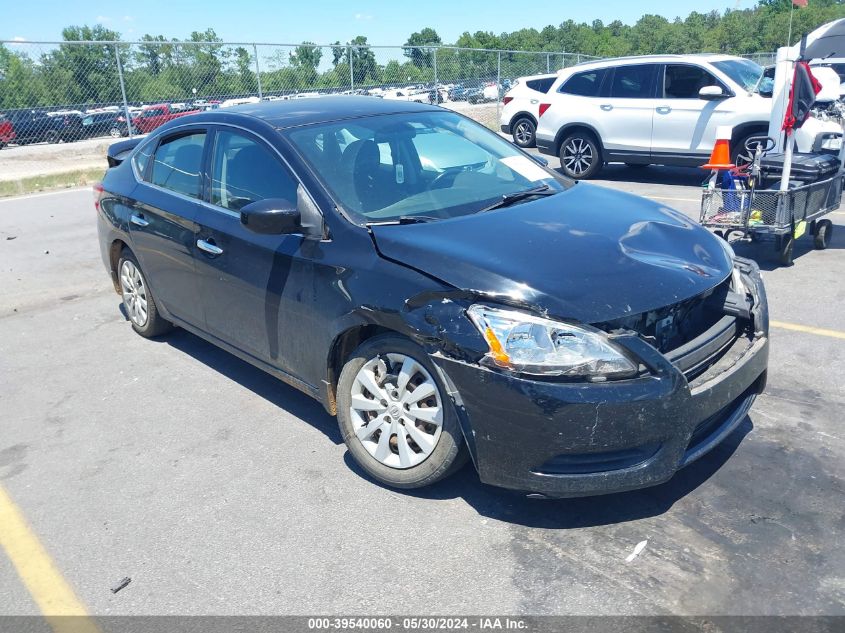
column 419, row 47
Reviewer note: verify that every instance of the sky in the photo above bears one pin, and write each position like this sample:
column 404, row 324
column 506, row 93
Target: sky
column 384, row 22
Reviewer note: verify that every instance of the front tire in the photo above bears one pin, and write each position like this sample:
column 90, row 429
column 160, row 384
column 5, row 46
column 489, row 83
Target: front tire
column 524, row 132
column 395, row 415
column 580, row 156
column 138, row 299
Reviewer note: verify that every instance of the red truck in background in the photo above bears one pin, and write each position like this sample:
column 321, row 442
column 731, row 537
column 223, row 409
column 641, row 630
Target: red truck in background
column 7, row 131
column 157, row 115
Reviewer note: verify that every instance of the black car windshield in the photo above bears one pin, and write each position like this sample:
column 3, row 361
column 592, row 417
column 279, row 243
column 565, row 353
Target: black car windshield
column 742, row 71
column 434, row 164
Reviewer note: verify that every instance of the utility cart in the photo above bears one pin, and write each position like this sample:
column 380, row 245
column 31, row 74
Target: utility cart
column 774, row 216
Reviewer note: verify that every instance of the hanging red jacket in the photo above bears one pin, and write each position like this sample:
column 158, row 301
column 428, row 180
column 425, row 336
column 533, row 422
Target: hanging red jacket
column 802, row 96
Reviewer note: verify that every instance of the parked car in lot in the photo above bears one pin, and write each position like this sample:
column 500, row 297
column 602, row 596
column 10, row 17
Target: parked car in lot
column 521, row 107
column 155, row 116
column 440, row 291
column 104, row 123
column 7, row 132
column 661, row 109
column 34, row 126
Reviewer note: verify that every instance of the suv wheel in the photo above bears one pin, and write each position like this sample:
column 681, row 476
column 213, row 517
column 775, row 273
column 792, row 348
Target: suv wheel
column 138, row 300
column 51, row 136
column 580, row 156
column 523, row 132
column 395, row 415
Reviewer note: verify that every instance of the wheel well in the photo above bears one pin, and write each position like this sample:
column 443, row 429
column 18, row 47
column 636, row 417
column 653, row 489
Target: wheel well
column 576, row 127
column 344, row 344
column 523, row 115
column 748, row 128
column 114, row 257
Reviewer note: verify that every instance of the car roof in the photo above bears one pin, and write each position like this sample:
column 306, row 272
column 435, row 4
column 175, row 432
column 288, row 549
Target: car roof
column 323, row 109
column 635, row 59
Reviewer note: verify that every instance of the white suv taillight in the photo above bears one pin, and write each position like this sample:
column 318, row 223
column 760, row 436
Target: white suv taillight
column 544, row 107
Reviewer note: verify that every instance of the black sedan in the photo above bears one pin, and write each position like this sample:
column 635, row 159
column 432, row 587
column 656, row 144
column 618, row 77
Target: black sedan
column 443, row 293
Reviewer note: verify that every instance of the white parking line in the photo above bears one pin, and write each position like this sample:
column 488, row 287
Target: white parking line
column 43, row 194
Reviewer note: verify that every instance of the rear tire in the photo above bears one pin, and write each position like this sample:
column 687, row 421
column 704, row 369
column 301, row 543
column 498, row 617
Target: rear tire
column 374, row 392
column 824, row 231
column 524, row 132
column 580, row 156
column 138, row 299
column 52, row 136
column 787, row 249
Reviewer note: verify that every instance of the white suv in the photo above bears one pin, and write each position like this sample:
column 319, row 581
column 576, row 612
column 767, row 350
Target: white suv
column 521, row 107
column 658, row 109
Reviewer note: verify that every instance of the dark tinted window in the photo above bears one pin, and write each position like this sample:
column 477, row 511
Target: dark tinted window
column 633, row 82
column 177, row 163
column 684, row 82
column 540, row 85
column 586, row 84
column 245, row 171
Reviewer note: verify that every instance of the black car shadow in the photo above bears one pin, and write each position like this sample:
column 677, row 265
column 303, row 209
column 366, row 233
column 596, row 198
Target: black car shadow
column 512, row 507
column 653, row 174
column 257, row 381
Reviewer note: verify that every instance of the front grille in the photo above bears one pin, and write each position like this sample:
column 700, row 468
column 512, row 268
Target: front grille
column 589, row 463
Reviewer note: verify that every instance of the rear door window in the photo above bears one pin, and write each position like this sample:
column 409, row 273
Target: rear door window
column 585, row 84
column 178, row 162
column 635, row 81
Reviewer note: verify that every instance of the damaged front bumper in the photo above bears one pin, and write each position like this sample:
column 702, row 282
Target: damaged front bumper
column 564, row 439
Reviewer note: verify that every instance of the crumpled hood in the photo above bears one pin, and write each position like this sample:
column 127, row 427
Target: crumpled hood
column 590, row 254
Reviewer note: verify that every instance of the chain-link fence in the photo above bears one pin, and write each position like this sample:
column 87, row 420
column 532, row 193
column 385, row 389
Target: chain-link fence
column 65, row 91
column 764, row 59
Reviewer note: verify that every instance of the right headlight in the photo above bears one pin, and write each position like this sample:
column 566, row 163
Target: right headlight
column 529, row 344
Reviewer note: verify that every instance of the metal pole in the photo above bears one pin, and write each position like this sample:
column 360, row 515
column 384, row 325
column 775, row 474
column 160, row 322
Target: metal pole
column 351, row 73
column 123, row 91
column 257, row 71
column 437, row 98
column 548, row 62
column 498, row 84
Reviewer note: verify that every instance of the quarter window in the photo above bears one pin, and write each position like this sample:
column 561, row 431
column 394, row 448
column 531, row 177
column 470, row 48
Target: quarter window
column 177, row 164
column 586, row 84
column 633, row 82
column 683, row 81
column 540, row 85
column 245, row 171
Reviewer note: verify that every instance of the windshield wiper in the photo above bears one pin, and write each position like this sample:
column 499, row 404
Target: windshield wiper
column 510, row 198
column 406, row 219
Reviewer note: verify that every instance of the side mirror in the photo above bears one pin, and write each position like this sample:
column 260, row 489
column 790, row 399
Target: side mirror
column 710, row 93
column 274, row 216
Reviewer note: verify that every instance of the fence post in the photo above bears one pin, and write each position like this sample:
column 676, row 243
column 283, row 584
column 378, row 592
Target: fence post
column 437, row 96
column 257, row 70
column 577, row 59
column 498, row 85
column 351, row 71
column 548, row 62
column 123, row 90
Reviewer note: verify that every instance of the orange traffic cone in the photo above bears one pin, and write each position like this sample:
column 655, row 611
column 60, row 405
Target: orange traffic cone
column 720, row 157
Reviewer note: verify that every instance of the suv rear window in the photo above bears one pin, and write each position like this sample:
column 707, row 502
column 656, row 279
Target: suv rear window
column 633, row 82
column 586, row 84
column 540, row 85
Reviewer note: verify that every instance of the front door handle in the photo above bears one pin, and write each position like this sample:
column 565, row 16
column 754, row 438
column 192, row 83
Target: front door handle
column 208, row 247
column 663, row 110
column 138, row 220
column 606, row 107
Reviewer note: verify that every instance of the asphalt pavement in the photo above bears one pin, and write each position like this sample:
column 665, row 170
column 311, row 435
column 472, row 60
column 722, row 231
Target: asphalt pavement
column 219, row 490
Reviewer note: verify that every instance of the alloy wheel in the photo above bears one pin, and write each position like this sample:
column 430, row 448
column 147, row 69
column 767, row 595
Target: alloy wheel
column 523, row 133
column 577, row 156
column 396, row 410
column 134, row 292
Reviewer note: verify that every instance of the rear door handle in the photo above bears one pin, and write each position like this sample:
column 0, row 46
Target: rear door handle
column 606, row 107
column 663, row 110
column 138, row 220
column 209, row 248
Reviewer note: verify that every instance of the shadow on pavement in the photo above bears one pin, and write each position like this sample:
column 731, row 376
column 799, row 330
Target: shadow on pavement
column 652, row 174
column 766, row 256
